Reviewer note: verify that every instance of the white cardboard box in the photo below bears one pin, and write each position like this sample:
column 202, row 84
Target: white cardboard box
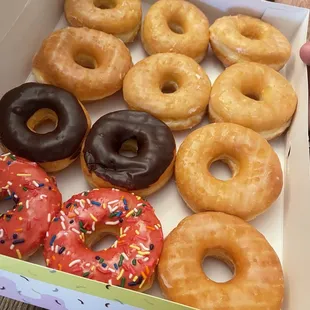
column 23, row 26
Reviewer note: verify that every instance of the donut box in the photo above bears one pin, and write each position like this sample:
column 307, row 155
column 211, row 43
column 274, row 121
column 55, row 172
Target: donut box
column 24, row 25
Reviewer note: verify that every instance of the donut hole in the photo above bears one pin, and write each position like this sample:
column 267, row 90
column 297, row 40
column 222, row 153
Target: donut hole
column 105, row 4
column 252, row 90
column 222, row 169
column 105, row 242
column 169, row 87
column 176, row 27
column 6, row 204
column 251, row 33
column 85, row 61
column 218, row 269
column 43, row 121
column 102, row 238
column 253, row 96
column 37, row 257
column 129, row 148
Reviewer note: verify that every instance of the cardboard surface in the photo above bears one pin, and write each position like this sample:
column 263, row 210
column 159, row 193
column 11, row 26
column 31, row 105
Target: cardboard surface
column 283, row 224
column 10, row 12
column 24, row 38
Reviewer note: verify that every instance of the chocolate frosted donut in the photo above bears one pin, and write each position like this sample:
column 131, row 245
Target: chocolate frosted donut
column 25, row 107
column 147, row 171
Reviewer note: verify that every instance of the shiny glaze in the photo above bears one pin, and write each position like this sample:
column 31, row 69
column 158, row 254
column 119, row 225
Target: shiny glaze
column 140, row 238
column 257, row 277
column 156, row 148
column 36, row 199
column 20, row 103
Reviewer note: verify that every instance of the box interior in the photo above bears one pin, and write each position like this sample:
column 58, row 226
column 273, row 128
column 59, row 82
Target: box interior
column 285, row 223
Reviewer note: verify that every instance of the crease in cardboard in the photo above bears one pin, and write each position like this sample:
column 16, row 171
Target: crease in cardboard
column 15, row 21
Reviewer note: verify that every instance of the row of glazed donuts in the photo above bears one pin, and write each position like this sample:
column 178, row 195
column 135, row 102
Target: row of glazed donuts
column 180, row 27
column 249, row 94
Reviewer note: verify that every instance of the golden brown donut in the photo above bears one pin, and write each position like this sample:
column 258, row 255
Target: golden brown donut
column 243, row 38
column 254, row 96
column 176, row 26
column 256, row 171
column 122, row 18
column 258, row 277
column 88, row 63
column 171, row 87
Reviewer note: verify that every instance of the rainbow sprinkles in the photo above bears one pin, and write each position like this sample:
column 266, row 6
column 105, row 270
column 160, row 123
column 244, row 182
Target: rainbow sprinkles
column 130, row 262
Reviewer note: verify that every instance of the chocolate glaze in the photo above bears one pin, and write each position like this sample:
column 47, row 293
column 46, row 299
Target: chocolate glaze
column 156, row 149
column 20, row 103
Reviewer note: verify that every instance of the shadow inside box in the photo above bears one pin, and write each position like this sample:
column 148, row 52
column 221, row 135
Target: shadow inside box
column 38, row 258
column 212, row 66
column 137, row 51
column 213, row 11
column 210, row 9
column 244, row 11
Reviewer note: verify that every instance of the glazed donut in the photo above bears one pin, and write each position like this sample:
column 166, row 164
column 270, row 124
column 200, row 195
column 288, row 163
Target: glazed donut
column 254, row 96
column 171, row 87
column 86, row 62
column 37, row 200
column 122, row 18
column 243, row 38
column 256, row 180
column 86, row 218
column 25, row 107
column 258, row 277
column 176, row 26
column 104, row 165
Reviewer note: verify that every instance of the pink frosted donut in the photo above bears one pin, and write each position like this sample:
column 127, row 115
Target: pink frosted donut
column 85, row 218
